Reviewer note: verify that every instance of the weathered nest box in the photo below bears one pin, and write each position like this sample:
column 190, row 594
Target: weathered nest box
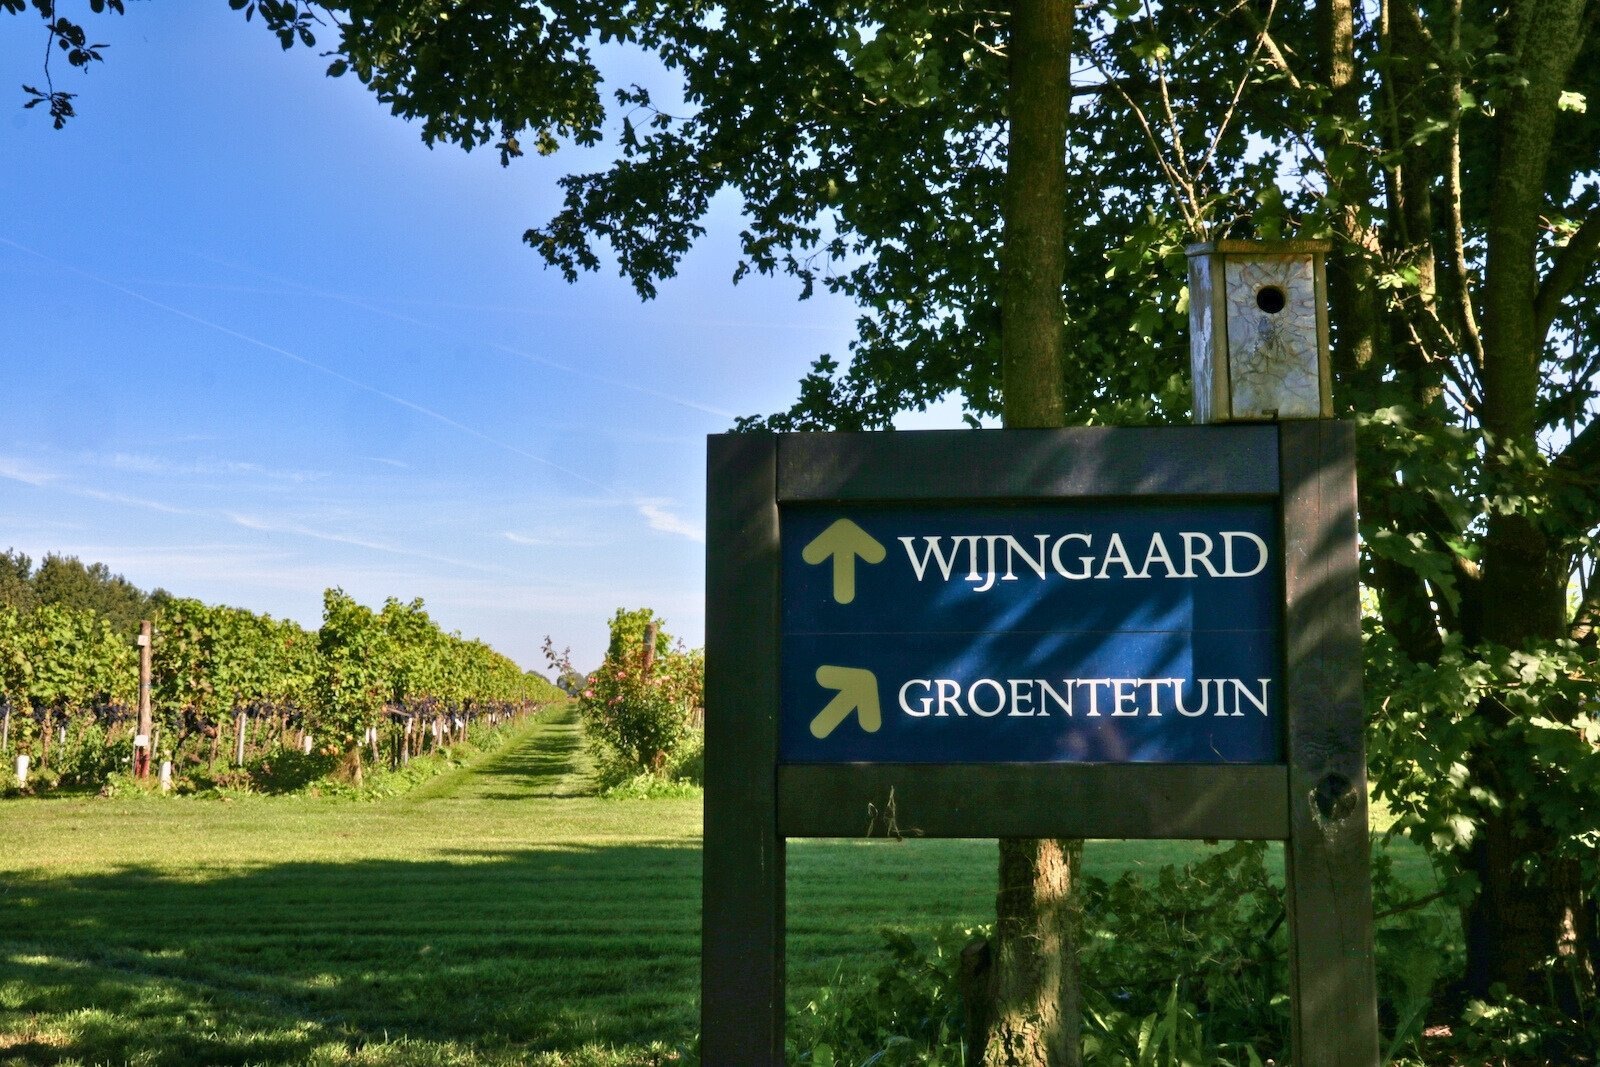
column 1258, row 330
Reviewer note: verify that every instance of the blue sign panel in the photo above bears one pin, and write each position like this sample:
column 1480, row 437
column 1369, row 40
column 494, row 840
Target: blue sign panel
column 1071, row 632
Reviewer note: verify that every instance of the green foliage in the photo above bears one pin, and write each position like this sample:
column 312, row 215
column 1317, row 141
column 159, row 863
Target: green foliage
column 1418, row 948
column 628, row 629
column 1503, row 1028
column 356, row 676
column 16, row 581
column 210, row 661
column 1174, row 1036
column 67, row 582
column 1183, row 967
column 56, row 662
column 1431, row 718
column 904, row 1011
column 1215, row 925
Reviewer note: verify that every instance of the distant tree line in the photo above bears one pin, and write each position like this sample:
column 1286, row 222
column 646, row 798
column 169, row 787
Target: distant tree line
column 68, row 582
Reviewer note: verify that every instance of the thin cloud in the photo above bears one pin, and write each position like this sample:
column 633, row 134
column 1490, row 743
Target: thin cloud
column 131, row 501
column 665, row 521
column 20, row 470
column 140, row 464
column 251, row 522
column 534, row 541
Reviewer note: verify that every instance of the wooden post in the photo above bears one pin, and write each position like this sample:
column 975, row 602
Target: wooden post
column 1332, row 987
column 240, row 719
column 650, row 631
column 742, row 902
column 141, row 754
column 44, row 739
column 5, row 730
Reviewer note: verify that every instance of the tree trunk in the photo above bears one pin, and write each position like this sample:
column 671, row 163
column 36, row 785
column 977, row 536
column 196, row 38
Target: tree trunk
column 1523, row 904
column 1529, row 905
column 350, row 765
column 1029, row 996
column 1037, row 1008
column 1033, row 253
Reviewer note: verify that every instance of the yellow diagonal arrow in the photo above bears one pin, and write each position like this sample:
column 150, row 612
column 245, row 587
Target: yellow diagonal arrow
column 844, row 541
column 858, row 692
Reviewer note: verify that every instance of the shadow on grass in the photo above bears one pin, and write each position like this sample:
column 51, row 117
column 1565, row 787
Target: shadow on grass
column 495, row 953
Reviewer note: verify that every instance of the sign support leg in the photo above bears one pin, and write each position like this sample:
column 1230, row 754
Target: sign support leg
column 742, row 909
column 1329, row 885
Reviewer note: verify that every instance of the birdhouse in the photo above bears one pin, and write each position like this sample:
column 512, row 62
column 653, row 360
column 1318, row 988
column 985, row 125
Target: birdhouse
column 1258, row 331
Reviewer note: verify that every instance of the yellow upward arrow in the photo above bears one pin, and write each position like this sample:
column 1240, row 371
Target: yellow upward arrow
column 858, row 692
column 844, row 541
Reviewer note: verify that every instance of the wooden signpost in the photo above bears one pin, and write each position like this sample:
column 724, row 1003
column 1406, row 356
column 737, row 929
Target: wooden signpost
column 1082, row 633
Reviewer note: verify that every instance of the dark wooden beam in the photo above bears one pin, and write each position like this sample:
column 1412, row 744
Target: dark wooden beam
column 1333, row 1002
column 742, row 905
column 1095, row 800
column 1084, row 461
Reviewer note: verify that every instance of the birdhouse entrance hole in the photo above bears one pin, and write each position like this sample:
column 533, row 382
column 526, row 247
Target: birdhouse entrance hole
column 1270, row 298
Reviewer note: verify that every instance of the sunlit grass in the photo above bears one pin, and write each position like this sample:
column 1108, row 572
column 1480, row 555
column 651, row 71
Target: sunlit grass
column 498, row 914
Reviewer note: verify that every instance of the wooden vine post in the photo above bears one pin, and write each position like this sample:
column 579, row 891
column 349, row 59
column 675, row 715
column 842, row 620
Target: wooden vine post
column 142, row 736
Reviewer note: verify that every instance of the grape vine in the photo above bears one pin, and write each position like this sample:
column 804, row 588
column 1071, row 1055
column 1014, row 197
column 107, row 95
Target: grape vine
column 236, row 687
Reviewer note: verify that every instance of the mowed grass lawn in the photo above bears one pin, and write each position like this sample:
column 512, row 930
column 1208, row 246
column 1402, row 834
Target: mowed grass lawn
column 500, row 913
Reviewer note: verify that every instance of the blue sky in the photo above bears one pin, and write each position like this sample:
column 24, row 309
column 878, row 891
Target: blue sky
column 256, row 339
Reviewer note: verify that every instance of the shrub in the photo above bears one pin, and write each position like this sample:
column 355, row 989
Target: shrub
column 904, row 1012
column 1187, row 966
column 86, row 759
column 638, row 713
column 1216, row 926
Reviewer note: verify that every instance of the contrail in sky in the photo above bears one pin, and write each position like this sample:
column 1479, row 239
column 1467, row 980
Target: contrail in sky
column 320, row 368
column 565, row 368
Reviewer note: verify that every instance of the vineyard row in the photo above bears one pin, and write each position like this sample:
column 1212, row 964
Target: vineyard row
column 388, row 683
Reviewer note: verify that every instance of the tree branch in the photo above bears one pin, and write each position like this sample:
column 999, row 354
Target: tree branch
column 1578, row 468
column 1572, row 264
column 1471, row 337
column 1586, row 620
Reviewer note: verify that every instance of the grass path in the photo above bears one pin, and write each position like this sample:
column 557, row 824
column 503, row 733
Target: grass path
column 545, row 763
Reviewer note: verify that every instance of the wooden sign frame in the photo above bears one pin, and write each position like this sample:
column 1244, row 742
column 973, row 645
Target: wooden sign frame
column 1315, row 802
